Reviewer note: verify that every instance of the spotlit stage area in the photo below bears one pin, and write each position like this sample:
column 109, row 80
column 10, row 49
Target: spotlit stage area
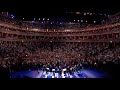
column 85, row 73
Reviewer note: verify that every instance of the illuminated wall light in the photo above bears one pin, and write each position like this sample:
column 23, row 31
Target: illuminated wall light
column 48, row 19
column 94, row 21
column 34, row 19
column 77, row 12
column 43, row 18
column 39, row 19
column 74, row 20
column 60, row 23
column 87, row 12
column 90, row 13
column 7, row 13
column 84, row 13
column 23, row 18
column 81, row 20
column 78, row 20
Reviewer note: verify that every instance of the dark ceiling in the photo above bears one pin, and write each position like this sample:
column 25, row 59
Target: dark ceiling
column 58, row 7
column 42, row 4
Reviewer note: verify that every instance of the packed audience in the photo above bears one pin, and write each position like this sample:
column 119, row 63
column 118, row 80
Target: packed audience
column 25, row 56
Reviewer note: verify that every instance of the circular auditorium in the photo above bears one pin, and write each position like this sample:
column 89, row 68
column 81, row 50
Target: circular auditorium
column 59, row 49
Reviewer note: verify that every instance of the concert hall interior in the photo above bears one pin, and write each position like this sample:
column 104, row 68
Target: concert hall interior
column 58, row 42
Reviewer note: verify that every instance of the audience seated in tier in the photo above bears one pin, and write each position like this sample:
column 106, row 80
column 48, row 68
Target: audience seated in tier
column 24, row 56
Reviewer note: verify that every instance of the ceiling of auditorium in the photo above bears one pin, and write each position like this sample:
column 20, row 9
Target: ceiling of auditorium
column 58, row 7
column 53, row 5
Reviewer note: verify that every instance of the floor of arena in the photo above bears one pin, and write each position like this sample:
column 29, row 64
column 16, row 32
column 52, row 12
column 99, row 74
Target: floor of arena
column 43, row 74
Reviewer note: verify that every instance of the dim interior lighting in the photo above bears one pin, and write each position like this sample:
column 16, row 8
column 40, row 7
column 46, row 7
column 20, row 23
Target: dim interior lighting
column 90, row 13
column 87, row 12
column 7, row 13
column 74, row 20
column 94, row 21
column 48, row 19
column 110, row 41
column 43, row 18
column 35, row 29
column 86, row 21
column 81, row 20
column 84, row 13
column 23, row 18
column 34, row 19
column 77, row 12
column 78, row 20
column 39, row 19
column 12, row 16
column 67, row 30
